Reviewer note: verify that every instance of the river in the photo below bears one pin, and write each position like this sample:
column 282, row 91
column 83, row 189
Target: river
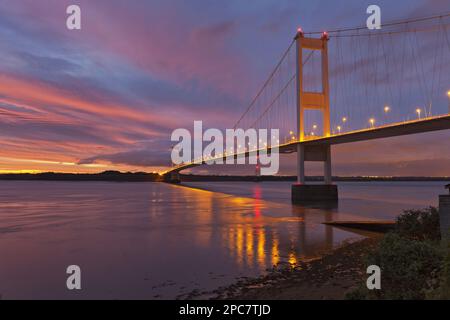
column 160, row 241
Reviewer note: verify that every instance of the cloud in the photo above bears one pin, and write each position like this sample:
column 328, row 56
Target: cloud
column 152, row 153
column 140, row 158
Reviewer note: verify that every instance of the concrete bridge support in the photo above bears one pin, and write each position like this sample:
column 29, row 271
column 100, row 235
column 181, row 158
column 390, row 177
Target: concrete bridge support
column 302, row 192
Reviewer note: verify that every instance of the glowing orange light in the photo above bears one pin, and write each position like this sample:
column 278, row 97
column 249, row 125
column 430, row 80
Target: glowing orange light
column 292, row 259
column 387, row 109
column 344, row 119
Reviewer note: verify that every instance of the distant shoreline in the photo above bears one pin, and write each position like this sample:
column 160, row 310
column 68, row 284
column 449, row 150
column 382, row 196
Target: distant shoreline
column 103, row 176
column 149, row 177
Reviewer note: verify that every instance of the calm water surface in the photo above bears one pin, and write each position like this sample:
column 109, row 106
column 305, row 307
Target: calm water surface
column 157, row 241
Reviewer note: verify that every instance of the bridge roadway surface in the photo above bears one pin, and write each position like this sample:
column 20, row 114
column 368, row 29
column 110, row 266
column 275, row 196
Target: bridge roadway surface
column 429, row 124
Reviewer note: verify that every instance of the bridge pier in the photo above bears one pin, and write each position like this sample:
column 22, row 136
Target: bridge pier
column 314, row 193
column 302, row 192
column 300, row 164
column 327, row 166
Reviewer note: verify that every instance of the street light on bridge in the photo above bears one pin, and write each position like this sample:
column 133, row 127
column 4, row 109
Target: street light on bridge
column 448, row 95
column 418, row 111
column 387, row 109
column 372, row 122
column 344, row 119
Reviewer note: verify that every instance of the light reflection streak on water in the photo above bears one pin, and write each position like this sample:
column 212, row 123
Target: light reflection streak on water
column 248, row 240
column 252, row 240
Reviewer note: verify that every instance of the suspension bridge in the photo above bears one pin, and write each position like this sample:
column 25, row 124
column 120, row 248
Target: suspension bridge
column 349, row 85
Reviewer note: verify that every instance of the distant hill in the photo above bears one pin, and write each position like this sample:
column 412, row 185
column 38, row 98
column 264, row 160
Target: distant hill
column 103, row 176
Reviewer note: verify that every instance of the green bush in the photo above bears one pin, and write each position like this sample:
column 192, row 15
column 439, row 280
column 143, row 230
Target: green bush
column 419, row 224
column 443, row 290
column 406, row 266
column 413, row 263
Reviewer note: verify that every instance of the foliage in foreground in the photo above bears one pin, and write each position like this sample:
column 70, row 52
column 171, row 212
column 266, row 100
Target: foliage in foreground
column 443, row 289
column 414, row 264
column 419, row 225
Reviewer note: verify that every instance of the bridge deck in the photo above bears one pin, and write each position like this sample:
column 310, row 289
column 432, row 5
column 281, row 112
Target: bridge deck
column 396, row 129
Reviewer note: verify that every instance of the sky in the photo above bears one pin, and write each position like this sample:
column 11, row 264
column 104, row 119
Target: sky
column 108, row 96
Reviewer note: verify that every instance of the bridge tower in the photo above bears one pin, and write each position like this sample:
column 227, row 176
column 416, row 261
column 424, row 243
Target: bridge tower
column 313, row 101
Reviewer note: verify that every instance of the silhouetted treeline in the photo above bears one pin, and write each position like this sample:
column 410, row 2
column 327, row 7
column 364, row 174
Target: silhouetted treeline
column 103, row 176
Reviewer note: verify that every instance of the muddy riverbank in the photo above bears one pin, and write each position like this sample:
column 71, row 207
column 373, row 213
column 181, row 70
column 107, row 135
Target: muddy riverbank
column 328, row 277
